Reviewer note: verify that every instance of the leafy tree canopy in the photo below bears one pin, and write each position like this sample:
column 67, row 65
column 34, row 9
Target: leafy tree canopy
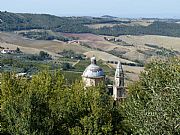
column 152, row 106
column 46, row 105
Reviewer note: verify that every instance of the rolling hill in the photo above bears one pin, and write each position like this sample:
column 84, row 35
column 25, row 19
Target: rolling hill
column 131, row 41
column 108, row 26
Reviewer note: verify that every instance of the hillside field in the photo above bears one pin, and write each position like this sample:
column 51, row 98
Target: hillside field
column 130, row 50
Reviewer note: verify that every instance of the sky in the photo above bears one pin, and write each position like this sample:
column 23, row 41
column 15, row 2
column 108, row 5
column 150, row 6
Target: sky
column 118, row 8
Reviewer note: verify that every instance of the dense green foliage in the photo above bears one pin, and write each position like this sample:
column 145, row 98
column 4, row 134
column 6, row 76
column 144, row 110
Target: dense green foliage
column 11, row 22
column 46, row 105
column 45, row 35
column 26, row 63
column 33, row 63
column 44, row 55
column 66, row 66
column 153, row 105
column 156, row 28
column 161, row 51
column 71, row 54
column 71, row 77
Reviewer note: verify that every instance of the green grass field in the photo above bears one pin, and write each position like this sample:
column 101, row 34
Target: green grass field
column 71, row 77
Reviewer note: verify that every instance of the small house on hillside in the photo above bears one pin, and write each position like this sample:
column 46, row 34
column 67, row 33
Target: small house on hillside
column 74, row 42
column 21, row 74
column 7, row 51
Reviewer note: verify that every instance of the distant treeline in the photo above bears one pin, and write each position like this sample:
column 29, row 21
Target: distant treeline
column 156, row 28
column 46, row 35
column 19, row 21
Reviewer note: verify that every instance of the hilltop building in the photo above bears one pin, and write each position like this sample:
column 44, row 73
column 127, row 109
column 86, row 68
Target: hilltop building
column 7, row 51
column 93, row 75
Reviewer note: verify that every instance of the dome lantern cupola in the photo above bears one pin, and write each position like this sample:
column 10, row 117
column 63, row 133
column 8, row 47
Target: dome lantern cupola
column 93, row 60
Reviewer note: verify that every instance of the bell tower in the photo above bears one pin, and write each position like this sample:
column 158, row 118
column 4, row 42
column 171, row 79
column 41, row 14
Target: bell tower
column 118, row 88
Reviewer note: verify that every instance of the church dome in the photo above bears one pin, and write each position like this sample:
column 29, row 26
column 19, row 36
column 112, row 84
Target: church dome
column 93, row 70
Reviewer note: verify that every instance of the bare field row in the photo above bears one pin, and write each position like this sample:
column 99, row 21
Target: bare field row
column 133, row 23
column 96, row 45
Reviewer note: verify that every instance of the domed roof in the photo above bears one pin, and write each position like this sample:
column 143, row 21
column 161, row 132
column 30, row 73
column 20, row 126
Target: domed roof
column 93, row 70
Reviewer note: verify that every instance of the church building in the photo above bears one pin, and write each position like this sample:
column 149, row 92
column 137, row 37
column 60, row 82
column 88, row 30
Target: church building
column 93, row 75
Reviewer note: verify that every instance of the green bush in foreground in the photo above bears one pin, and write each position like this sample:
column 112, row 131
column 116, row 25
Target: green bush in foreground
column 153, row 105
column 46, row 105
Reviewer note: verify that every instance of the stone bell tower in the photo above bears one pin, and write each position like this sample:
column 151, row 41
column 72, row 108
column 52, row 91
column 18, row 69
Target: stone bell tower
column 118, row 87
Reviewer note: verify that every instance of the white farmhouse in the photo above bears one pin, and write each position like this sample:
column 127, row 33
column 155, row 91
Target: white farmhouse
column 7, row 51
